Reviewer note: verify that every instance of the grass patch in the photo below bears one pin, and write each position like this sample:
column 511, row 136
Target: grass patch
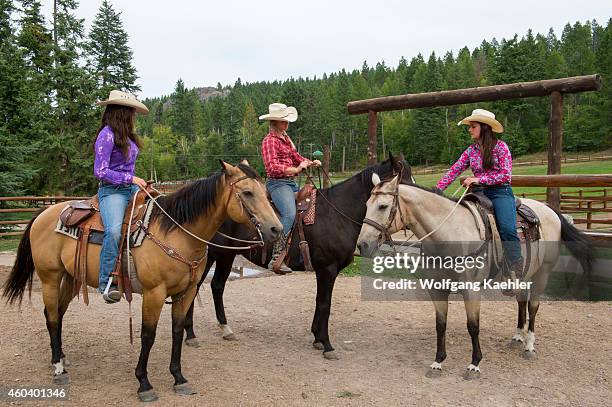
column 9, row 244
column 353, row 269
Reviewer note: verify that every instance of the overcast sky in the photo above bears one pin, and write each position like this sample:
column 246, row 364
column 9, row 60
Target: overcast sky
column 205, row 42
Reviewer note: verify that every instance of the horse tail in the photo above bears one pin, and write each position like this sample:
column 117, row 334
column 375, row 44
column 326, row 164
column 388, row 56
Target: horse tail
column 23, row 270
column 578, row 243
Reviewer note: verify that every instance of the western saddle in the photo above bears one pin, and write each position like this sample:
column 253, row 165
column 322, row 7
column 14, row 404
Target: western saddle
column 305, row 201
column 527, row 224
column 85, row 216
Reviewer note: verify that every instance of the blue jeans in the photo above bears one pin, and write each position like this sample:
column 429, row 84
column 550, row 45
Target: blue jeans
column 113, row 203
column 505, row 216
column 283, row 192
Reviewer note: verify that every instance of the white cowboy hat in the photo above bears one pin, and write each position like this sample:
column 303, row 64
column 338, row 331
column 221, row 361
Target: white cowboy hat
column 483, row 116
column 280, row 112
column 116, row 97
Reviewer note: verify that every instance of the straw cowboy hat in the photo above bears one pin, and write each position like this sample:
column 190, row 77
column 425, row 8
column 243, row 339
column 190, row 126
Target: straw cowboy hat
column 280, row 112
column 483, row 116
column 116, row 97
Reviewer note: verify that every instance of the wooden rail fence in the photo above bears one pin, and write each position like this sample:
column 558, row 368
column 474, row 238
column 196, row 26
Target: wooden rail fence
column 27, row 204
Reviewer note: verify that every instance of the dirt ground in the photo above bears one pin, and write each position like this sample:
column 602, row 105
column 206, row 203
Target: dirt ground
column 385, row 349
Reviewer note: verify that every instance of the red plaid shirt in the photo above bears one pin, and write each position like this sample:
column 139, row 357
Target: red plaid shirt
column 279, row 153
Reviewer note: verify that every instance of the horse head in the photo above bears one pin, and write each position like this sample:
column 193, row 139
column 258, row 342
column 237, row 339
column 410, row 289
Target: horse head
column 247, row 200
column 383, row 215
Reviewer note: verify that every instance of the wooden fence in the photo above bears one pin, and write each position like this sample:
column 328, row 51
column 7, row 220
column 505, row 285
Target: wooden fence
column 27, row 205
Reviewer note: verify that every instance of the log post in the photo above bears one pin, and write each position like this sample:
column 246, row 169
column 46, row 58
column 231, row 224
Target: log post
column 555, row 141
column 372, row 124
column 326, row 159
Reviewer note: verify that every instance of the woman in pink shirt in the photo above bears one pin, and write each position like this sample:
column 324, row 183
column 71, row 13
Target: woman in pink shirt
column 491, row 163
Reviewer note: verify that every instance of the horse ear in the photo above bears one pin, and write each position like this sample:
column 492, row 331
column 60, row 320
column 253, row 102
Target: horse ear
column 245, row 162
column 225, row 167
column 390, row 156
column 375, row 179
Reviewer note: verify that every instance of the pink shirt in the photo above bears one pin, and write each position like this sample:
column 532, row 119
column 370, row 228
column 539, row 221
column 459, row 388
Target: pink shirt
column 472, row 158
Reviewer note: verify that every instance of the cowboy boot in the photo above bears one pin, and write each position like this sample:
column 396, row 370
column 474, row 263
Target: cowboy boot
column 277, row 249
column 512, row 272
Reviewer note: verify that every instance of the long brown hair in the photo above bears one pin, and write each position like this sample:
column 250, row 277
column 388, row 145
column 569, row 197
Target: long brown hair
column 488, row 140
column 121, row 121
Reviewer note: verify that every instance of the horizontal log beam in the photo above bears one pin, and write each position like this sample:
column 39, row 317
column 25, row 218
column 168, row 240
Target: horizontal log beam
column 560, row 180
column 481, row 94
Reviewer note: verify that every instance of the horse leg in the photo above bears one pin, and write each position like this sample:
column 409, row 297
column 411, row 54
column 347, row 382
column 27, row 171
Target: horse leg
column 217, row 286
column 472, row 310
column 152, row 303
column 325, row 286
column 440, row 300
column 190, row 338
column 66, row 297
column 50, row 292
column 518, row 337
column 179, row 311
column 540, row 279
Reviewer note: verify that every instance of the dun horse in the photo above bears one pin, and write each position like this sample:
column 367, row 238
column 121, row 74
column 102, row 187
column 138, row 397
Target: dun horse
column 201, row 207
column 397, row 206
column 339, row 212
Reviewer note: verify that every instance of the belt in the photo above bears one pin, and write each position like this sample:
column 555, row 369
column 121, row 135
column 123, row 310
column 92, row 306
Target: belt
column 108, row 184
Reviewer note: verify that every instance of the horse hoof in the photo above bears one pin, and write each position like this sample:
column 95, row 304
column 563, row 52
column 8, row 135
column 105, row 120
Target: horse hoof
column 433, row 373
column 514, row 344
column 529, row 355
column 317, row 345
column 147, row 396
column 66, row 361
column 331, row 355
column 472, row 372
column 184, row 389
column 230, row 337
column 193, row 342
column 61, row 379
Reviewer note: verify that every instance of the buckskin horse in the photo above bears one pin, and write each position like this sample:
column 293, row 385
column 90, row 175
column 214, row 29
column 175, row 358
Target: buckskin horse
column 392, row 207
column 200, row 208
column 332, row 238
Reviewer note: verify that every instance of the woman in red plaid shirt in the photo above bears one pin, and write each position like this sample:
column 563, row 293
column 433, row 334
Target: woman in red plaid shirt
column 282, row 163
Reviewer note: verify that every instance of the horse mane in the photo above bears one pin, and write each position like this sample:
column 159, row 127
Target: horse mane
column 365, row 175
column 189, row 202
column 434, row 190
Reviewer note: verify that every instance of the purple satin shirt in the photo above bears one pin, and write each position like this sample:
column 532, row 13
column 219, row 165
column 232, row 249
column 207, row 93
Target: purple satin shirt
column 109, row 163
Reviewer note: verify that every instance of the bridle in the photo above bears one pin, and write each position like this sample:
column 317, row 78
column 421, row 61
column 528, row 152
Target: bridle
column 395, row 208
column 244, row 207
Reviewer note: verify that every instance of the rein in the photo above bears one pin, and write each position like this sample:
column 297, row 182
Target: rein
column 397, row 207
column 255, row 244
column 175, row 254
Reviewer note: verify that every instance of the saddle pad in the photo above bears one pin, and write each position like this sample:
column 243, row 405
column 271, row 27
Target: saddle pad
column 95, row 237
column 309, row 216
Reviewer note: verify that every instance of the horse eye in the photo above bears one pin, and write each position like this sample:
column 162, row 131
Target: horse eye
column 247, row 193
column 383, row 207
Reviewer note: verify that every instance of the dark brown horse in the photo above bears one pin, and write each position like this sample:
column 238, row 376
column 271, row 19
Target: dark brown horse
column 201, row 207
column 339, row 212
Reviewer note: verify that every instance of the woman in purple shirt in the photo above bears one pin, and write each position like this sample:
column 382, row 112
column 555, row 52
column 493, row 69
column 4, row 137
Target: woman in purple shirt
column 491, row 162
column 116, row 149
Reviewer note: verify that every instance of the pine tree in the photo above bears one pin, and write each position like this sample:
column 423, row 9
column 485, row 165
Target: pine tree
column 14, row 109
column 68, row 155
column 109, row 54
